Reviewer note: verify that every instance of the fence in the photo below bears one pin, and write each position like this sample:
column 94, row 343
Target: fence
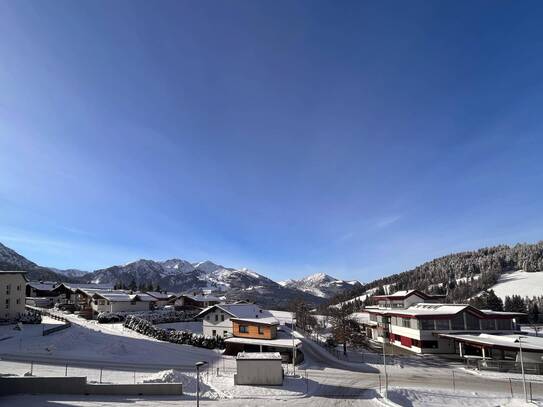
column 53, row 315
column 508, row 366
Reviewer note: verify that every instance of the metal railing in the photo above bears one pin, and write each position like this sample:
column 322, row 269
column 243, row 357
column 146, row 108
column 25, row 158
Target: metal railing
column 509, row 366
column 53, row 315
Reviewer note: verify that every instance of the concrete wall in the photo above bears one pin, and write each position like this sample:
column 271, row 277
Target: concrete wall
column 39, row 385
column 12, row 305
column 260, row 372
column 78, row 385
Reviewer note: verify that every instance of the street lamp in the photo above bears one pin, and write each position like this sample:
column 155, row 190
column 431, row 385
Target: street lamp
column 519, row 341
column 198, row 366
column 386, row 321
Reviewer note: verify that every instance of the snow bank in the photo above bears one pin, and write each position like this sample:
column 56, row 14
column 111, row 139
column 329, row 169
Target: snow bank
column 188, row 379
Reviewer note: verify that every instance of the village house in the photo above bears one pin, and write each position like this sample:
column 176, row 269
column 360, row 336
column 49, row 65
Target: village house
column 195, row 301
column 120, row 301
column 247, row 327
column 12, row 294
column 162, row 298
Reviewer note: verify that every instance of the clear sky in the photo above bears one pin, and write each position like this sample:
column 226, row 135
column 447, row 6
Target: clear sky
column 291, row 137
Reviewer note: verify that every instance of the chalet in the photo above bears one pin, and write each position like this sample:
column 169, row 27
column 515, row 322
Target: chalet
column 162, row 298
column 413, row 320
column 247, row 327
column 196, row 301
column 120, row 301
column 12, row 294
column 241, row 320
column 42, row 289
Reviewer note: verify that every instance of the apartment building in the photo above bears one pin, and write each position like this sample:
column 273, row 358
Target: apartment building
column 12, row 294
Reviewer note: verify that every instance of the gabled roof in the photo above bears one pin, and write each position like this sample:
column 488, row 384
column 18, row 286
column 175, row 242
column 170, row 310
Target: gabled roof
column 42, row 285
column 244, row 312
column 161, row 295
column 402, row 295
column 202, row 298
column 428, row 310
column 122, row 296
column 90, row 286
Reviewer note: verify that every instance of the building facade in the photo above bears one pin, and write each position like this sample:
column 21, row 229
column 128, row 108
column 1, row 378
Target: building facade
column 419, row 326
column 12, row 294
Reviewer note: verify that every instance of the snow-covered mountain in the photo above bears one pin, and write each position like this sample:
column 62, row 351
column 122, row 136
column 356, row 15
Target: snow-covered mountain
column 321, row 285
column 11, row 260
column 182, row 276
column 74, row 273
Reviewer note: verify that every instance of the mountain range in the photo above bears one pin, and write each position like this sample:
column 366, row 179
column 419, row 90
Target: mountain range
column 183, row 276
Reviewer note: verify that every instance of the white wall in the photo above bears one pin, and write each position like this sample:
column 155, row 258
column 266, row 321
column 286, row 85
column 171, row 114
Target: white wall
column 213, row 322
column 12, row 304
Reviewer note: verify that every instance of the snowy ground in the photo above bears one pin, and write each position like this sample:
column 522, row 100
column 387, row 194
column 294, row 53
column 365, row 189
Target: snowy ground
column 521, row 283
column 436, row 398
column 322, row 380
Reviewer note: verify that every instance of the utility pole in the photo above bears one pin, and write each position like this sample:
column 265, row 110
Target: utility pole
column 385, row 332
column 519, row 340
column 293, row 345
column 198, row 366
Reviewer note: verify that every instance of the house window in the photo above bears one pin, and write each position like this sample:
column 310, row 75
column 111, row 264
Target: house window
column 426, row 324
column 442, row 324
column 488, row 324
column 406, row 323
column 472, row 322
column 504, row 324
column 243, row 329
column 133, row 302
column 222, row 317
column 224, row 333
column 18, row 301
column 8, row 289
column 18, row 288
column 214, row 333
column 260, row 330
column 7, row 303
column 457, row 323
column 216, row 318
column 207, row 317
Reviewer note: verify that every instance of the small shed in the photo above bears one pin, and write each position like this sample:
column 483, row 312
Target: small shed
column 259, row 368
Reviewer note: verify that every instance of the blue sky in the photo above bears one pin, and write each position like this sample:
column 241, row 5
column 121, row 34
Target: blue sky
column 290, row 137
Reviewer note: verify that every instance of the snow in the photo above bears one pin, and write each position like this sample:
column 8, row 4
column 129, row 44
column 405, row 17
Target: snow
column 189, row 381
column 519, row 283
column 259, row 355
column 436, row 398
column 282, row 316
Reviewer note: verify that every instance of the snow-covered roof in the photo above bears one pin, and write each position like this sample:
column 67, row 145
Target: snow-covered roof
column 123, row 296
column 431, row 309
column 400, row 295
column 42, row 285
column 258, row 356
column 203, row 298
column 160, row 295
column 276, row 343
column 533, row 343
column 244, row 312
column 90, row 286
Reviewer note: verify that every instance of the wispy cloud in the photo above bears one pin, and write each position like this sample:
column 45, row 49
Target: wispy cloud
column 387, row 221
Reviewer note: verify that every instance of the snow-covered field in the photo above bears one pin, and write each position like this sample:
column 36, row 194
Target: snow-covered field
column 519, row 283
column 105, row 344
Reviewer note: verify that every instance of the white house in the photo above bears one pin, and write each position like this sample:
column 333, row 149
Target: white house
column 12, row 294
column 120, row 301
column 218, row 319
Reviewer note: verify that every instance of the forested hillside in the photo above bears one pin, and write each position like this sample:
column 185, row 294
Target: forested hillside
column 461, row 275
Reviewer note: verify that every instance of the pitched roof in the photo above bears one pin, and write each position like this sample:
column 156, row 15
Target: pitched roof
column 160, row 295
column 244, row 312
column 431, row 309
column 401, row 295
column 42, row 285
